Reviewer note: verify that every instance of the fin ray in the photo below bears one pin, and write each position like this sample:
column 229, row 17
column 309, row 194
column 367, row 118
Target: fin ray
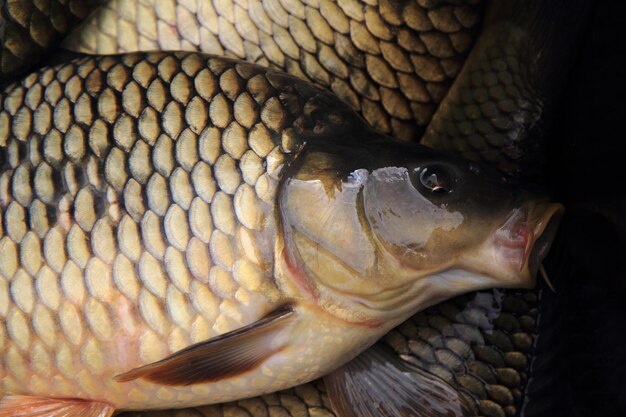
column 224, row 356
column 30, row 406
column 379, row 384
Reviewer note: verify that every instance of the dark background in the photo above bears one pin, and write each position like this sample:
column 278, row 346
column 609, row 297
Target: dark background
column 580, row 368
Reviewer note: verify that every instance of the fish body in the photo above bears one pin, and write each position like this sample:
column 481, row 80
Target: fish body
column 180, row 229
column 391, row 61
column 499, row 108
column 136, row 233
column 30, row 29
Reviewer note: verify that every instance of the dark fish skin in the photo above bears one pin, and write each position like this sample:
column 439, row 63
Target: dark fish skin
column 499, row 109
column 29, row 28
column 312, row 396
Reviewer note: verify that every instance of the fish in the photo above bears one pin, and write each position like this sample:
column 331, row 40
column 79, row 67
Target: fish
column 483, row 344
column 393, row 61
column 441, row 22
column 30, row 29
column 121, row 17
column 499, row 109
column 181, row 229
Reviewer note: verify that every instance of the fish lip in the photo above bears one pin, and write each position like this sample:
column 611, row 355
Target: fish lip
column 544, row 233
column 526, row 236
column 513, row 239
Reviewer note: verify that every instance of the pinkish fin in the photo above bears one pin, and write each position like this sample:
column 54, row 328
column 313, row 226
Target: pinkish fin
column 25, row 406
column 380, row 384
column 224, row 356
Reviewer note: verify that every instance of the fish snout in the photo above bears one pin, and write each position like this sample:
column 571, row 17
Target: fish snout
column 549, row 218
column 523, row 241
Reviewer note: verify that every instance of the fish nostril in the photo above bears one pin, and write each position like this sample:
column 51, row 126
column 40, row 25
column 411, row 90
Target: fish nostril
column 475, row 169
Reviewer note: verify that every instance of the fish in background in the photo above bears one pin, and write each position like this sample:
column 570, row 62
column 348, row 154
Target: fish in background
column 392, row 61
column 30, row 29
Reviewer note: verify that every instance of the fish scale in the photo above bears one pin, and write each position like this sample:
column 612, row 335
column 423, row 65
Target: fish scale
column 480, row 343
column 498, row 109
column 441, row 358
column 487, row 115
column 308, row 400
column 28, row 28
column 155, row 227
column 392, row 61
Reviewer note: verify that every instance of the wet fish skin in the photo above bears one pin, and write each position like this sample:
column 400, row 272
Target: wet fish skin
column 440, row 16
column 424, row 100
column 30, row 28
column 92, row 228
column 106, row 216
column 421, row 111
column 431, row 313
column 392, row 61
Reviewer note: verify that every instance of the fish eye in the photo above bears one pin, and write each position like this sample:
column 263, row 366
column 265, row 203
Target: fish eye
column 436, row 179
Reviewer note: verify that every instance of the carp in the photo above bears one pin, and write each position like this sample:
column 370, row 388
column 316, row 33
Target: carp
column 181, row 229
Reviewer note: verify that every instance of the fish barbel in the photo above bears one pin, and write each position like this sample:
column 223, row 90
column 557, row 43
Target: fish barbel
column 181, row 229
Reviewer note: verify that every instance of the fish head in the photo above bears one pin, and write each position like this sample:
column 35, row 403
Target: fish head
column 380, row 231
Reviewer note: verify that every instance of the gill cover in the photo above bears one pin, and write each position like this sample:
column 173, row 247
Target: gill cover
column 363, row 224
column 349, row 216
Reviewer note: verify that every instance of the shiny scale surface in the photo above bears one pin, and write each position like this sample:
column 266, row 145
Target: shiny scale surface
column 279, row 407
column 391, row 61
column 118, row 227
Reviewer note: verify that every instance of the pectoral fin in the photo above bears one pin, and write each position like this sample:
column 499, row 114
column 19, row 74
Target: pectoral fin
column 379, row 384
column 224, row 356
column 25, row 406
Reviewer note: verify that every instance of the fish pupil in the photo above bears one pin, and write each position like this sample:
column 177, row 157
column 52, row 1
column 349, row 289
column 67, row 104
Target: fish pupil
column 433, row 182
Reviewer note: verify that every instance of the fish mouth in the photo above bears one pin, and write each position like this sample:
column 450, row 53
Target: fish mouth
column 525, row 238
column 544, row 234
